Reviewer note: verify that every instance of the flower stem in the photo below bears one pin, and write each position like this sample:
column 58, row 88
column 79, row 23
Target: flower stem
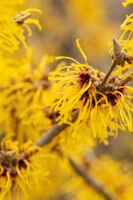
column 107, row 76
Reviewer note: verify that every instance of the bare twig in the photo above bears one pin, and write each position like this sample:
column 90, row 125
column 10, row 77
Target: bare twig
column 90, row 180
column 48, row 136
column 107, row 76
column 117, row 60
column 120, row 57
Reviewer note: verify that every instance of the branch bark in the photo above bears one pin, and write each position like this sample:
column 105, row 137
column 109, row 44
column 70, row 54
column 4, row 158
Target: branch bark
column 90, row 180
column 49, row 135
column 107, row 76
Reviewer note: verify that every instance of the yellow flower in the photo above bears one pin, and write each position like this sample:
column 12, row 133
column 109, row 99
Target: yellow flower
column 126, row 38
column 114, row 177
column 126, row 2
column 24, row 97
column 20, row 168
column 12, row 24
column 100, row 113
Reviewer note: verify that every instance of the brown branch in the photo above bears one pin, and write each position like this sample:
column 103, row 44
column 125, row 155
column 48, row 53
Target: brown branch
column 120, row 57
column 90, row 180
column 117, row 56
column 49, row 135
column 107, row 75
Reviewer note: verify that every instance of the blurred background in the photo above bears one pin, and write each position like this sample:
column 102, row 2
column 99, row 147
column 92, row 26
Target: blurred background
column 95, row 23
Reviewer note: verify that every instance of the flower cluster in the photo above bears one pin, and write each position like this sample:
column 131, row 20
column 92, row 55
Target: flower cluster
column 102, row 109
column 12, row 23
column 24, row 98
column 126, row 38
column 19, row 168
column 58, row 114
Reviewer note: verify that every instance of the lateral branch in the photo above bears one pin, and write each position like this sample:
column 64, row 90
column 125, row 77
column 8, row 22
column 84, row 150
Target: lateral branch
column 90, row 180
column 49, row 135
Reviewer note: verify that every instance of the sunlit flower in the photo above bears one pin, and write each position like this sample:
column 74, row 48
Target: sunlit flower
column 24, row 95
column 100, row 113
column 126, row 39
column 12, row 24
column 126, row 2
column 113, row 176
column 20, row 168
